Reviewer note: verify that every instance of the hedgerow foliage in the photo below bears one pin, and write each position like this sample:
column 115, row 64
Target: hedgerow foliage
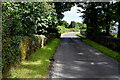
column 28, row 18
column 21, row 19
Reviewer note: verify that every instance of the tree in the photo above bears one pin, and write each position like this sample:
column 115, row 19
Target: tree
column 118, row 12
column 97, row 17
column 116, row 17
column 73, row 24
column 32, row 18
column 80, row 25
column 64, row 23
column 24, row 19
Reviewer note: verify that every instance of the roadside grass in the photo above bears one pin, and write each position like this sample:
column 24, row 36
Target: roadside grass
column 105, row 50
column 84, row 29
column 72, row 30
column 81, row 35
column 115, row 36
column 36, row 66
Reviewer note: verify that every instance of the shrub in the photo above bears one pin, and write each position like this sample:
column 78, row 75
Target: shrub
column 61, row 29
column 17, row 48
column 31, row 44
column 10, row 51
column 76, row 29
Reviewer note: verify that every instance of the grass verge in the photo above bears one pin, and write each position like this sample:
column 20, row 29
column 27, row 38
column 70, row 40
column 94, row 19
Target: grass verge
column 81, row 35
column 105, row 50
column 36, row 66
column 115, row 36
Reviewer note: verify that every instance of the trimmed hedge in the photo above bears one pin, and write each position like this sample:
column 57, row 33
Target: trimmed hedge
column 17, row 48
column 29, row 45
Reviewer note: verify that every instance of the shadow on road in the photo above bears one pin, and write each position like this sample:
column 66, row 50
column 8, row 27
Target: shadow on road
column 75, row 59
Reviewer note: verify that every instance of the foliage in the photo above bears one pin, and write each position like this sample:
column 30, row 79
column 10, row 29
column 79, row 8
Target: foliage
column 31, row 44
column 97, row 16
column 31, row 17
column 64, row 23
column 33, row 66
column 73, row 24
column 76, row 29
column 105, row 50
column 61, row 29
column 115, row 36
column 79, row 24
column 80, row 35
column 83, row 26
column 24, row 19
column 116, row 17
column 11, row 52
column 62, row 7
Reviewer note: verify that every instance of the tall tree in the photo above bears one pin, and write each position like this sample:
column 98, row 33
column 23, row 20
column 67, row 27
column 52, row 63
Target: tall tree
column 98, row 16
column 73, row 24
column 64, row 23
column 118, row 11
column 116, row 8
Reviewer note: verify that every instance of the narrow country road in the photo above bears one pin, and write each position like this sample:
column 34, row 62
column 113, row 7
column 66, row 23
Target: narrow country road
column 75, row 59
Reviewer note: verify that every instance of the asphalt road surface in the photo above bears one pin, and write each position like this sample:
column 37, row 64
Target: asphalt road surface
column 75, row 59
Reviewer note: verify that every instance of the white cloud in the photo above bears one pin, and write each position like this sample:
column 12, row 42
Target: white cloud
column 72, row 15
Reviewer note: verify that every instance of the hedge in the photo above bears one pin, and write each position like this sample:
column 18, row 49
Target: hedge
column 17, row 48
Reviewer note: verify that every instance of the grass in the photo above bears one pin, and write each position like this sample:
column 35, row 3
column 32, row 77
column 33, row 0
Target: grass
column 115, row 36
column 83, row 29
column 81, row 35
column 72, row 30
column 36, row 66
column 105, row 50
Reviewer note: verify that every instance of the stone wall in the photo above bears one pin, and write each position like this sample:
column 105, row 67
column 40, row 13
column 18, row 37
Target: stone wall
column 108, row 41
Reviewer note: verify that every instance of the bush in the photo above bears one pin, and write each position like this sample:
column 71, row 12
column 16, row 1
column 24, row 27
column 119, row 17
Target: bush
column 19, row 22
column 76, row 29
column 31, row 44
column 61, row 29
column 10, row 51
column 16, row 49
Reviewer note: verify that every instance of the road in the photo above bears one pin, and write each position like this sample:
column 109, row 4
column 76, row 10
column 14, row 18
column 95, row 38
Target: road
column 75, row 59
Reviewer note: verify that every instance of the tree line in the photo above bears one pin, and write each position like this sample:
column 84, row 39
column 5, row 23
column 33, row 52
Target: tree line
column 100, row 17
column 73, row 24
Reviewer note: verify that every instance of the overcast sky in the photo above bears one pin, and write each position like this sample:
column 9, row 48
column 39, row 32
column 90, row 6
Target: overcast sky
column 72, row 15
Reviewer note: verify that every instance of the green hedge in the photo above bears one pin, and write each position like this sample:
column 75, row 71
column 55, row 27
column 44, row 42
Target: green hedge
column 10, row 51
column 30, row 44
column 20, row 20
column 15, row 49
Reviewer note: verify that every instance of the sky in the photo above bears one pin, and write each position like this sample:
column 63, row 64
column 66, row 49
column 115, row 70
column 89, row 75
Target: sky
column 72, row 15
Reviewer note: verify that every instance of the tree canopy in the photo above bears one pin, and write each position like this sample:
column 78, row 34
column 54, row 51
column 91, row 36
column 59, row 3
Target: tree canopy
column 99, row 17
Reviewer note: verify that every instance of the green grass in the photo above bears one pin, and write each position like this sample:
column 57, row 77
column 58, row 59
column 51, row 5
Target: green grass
column 71, row 30
column 115, row 36
column 105, row 50
column 36, row 66
column 81, row 35
column 83, row 29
